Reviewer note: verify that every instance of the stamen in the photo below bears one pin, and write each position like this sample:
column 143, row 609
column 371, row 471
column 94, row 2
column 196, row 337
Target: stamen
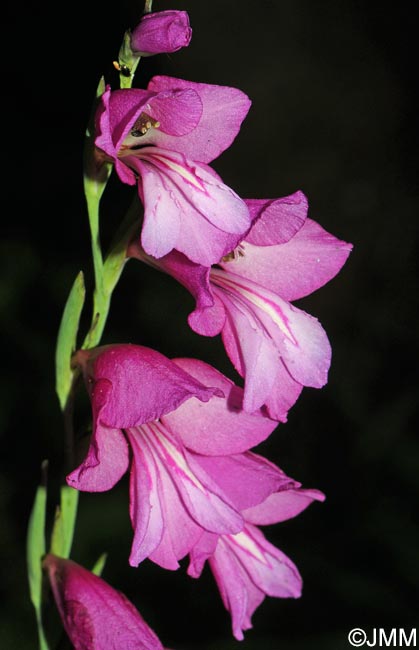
column 234, row 254
column 122, row 69
column 144, row 124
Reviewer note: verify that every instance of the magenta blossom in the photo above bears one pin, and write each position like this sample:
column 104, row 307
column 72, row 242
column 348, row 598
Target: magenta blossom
column 190, row 471
column 163, row 31
column 96, row 616
column 246, row 566
column 162, row 138
column 275, row 346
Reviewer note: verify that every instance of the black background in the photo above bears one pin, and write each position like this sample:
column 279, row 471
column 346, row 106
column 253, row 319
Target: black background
column 333, row 114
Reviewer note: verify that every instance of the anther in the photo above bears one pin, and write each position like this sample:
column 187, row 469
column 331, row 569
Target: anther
column 144, row 124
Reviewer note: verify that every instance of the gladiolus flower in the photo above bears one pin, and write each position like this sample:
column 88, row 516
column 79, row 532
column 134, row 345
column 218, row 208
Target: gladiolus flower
column 162, row 138
column 246, row 567
column 190, row 469
column 276, row 347
column 163, row 31
column 96, row 616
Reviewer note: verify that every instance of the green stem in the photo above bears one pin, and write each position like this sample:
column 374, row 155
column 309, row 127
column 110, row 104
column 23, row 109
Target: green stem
column 93, row 190
column 128, row 60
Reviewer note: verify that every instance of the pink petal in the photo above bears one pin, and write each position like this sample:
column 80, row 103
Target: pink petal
column 144, row 384
column 106, row 462
column 238, row 592
column 283, row 395
column 245, row 479
column 205, row 191
column 307, row 357
column 296, row 268
column 282, row 505
column 221, row 427
column 187, row 208
column 164, row 530
column 116, row 112
column 180, row 532
column 298, row 337
column 200, row 552
column 276, row 221
column 224, row 109
column 201, row 240
column 202, row 497
column 208, row 316
column 252, row 352
column 107, row 457
column 177, row 111
column 162, row 214
column 146, row 512
column 269, row 569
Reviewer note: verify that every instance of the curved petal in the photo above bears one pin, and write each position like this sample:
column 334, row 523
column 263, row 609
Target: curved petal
column 200, row 552
column 282, row 505
column 224, row 109
column 296, row 268
column 180, row 532
column 298, row 337
column 164, row 530
column 186, row 208
column 145, row 505
column 162, row 213
column 268, row 567
column 217, row 202
column 117, row 110
column 144, row 384
column 252, row 352
column 276, row 221
column 283, row 395
column 178, row 112
column 222, row 427
column 238, row 592
column 201, row 240
column 106, row 461
column 172, row 112
column 245, row 479
column 202, row 497
column 208, row 316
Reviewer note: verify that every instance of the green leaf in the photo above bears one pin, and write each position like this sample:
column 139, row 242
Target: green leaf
column 99, row 565
column 67, row 339
column 65, row 521
column 35, row 551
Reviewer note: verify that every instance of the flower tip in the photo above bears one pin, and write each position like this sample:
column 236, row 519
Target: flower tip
column 161, row 32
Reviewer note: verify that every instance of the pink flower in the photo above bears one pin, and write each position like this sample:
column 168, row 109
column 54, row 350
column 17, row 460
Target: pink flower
column 275, row 346
column 162, row 138
column 163, row 31
column 96, row 616
column 190, row 470
column 246, row 567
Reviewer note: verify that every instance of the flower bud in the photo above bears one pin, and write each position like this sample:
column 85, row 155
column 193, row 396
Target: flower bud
column 96, row 616
column 163, row 31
